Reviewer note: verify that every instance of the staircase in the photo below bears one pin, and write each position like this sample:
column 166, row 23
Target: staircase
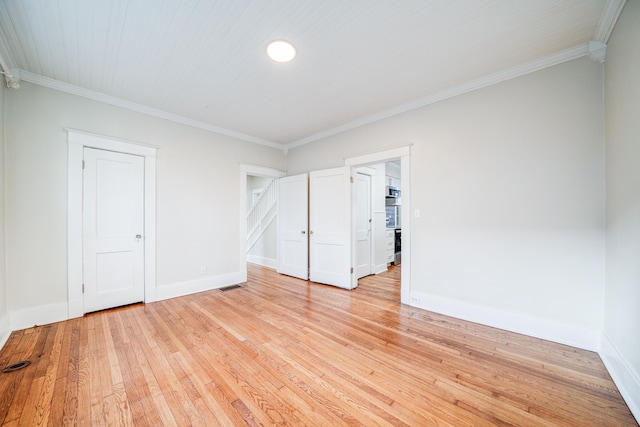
column 262, row 213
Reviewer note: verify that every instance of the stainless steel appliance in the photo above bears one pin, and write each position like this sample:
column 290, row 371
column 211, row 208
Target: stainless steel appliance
column 392, row 202
column 393, row 216
column 392, row 192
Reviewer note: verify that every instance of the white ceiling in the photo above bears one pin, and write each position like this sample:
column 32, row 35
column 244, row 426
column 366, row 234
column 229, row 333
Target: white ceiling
column 203, row 62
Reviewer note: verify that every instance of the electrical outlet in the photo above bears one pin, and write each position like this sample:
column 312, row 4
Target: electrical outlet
column 203, row 270
column 415, row 299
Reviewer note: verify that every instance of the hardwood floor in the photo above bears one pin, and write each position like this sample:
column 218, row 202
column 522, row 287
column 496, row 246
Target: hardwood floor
column 285, row 351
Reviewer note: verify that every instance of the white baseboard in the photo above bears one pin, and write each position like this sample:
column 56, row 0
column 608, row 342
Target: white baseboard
column 76, row 308
column 265, row 262
column 198, row 285
column 624, row 378
column 627, row 382
column 40, row 315
column 380, row 268
column 573, row 335
column 5, row 330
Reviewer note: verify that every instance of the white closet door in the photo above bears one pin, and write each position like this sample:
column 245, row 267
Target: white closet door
column 363, row 222
column 293, row 218
column 330, row 219
column 113, row 227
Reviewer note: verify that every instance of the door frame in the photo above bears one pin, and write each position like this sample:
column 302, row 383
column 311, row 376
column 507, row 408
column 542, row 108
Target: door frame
column 77, row 141
column 248, row 169
column 404, row 154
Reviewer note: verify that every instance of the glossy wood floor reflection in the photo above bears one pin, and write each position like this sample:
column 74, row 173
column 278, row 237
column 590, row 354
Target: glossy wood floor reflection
column 284, row 351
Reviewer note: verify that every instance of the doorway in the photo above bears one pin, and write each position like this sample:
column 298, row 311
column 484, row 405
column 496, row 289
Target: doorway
column 77, row 142
column 401, row 154
column 377, row 220
column 364, row 224
column 261, row 216
column 331, row 234
column 259, row 175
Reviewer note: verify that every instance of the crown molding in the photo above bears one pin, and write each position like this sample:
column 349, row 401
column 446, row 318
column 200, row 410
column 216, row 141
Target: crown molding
column 139, row 108
column 491, row 79
column 608, row 19
column 7, row 67
column 597, row 51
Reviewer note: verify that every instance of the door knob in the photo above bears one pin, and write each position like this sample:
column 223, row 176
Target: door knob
column 138, row 236
column 303, row 232
column 310, row 231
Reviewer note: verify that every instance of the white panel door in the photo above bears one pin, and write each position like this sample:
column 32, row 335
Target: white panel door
column 113, row 224
column 293, row 220
column 363, row 223
column 330, row 228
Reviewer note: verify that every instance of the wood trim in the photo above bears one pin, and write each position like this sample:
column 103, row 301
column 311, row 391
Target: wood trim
column 39, row 315
column 94, row 140
column 203, row 284
column 378, row 156
column 608, row 19
column 533, row 326
column 5, row 329
column 263, row 261
column 622, row 374
column 74, row 231
column 150, row 228
column 139, row 108
column 77, row 141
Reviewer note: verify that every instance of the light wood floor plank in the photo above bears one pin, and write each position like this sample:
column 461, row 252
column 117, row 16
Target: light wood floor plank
column 282, row 351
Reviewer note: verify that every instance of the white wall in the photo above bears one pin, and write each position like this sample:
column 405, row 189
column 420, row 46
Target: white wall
column 265, row 250
column 622, row 300
column 510, row 183
column 4, row 318
column 196, row 225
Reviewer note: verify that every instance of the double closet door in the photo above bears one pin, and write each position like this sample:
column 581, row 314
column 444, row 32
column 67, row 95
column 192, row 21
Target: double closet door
column 314, row 222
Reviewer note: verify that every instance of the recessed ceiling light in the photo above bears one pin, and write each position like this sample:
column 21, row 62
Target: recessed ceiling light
column 281, row 51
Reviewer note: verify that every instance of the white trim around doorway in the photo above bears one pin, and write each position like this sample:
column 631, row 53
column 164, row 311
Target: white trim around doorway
column 404, row 154
column 77, row 141
column 247, row 169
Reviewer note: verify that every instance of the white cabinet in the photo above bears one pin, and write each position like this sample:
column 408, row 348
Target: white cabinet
column 390, row 245
column 393, row 182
